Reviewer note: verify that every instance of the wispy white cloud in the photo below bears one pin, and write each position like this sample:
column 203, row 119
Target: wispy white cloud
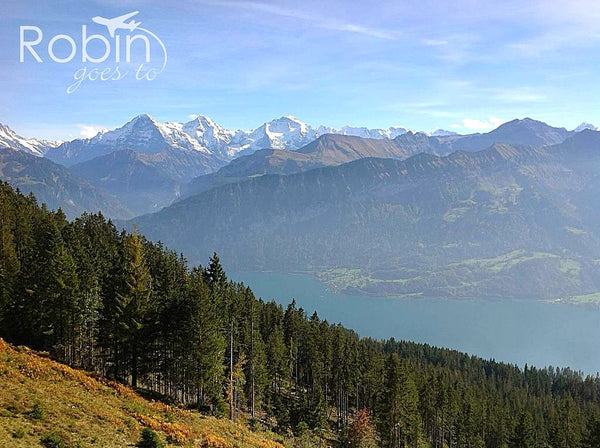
column 454, row 48
column 519, row 95
column 540, row 44
column 434, row 42
column 318, row 21
column 575, row 24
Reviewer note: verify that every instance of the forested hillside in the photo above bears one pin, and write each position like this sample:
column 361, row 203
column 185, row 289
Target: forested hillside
column 510, row 221
column 134, row 311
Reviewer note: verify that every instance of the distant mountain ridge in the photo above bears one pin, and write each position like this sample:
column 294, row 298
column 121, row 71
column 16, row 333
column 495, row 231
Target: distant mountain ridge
column 56, row 186
column 143, row 134
column 332, row 149
column 144, row 182
column 327, row 150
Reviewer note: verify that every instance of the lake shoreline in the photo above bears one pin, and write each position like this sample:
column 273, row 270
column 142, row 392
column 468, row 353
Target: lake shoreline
column 569, row 301
column 520, row 332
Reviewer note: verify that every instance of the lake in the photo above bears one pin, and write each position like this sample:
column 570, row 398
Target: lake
column 518, row 332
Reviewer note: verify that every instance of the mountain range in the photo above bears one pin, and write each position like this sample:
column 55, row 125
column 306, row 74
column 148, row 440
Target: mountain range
column 332, row 149
column 148, row 164
column 203, row 136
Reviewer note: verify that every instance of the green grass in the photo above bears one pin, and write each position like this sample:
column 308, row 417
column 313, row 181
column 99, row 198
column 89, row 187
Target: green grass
column 575, row 231
column 342, row 278
column 468, row 274
column 505, row 261
column 570, row 267
column 352, row 278
column 586, row 299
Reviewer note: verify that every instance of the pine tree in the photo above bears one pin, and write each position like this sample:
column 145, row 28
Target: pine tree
column 9, row 263
column 207, row 344
column 64, row 304
column 133, row 303
column 569, row 425
column 256, row 367
column 398, row 417
column 592, row 431
column 236, row 386
column 523, row 435
column 214, row 274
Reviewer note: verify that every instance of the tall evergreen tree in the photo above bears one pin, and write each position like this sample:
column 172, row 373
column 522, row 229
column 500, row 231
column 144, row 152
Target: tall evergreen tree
column 592, row 431
column 133, row 304
column 9, row 263
column 399, row 421
column 63, row 306
column 207, row 344
column 214, row 274
column 523, row 435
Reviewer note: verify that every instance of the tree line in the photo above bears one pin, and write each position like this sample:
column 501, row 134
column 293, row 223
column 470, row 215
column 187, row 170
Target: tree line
column 113, row 302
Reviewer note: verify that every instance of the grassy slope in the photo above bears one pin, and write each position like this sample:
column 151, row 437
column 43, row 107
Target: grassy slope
column 87, row 411
column 356, row 279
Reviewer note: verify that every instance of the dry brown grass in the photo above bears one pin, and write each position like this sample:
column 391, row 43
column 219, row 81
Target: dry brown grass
column 94, row 412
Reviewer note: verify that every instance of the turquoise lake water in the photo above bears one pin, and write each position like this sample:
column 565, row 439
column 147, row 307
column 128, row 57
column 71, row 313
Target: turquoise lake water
column 536, row 333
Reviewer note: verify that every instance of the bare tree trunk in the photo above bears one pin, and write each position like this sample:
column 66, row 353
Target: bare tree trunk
column 253, row 362
column 134, row 366
column 231, row 372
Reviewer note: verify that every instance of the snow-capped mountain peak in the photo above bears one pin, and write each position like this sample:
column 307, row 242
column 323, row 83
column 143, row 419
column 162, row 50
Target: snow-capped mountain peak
column 203, row 123
column 10, row 139
column 286, row 132
column 143, row 118
column 584, row 126
column 285, row 124
column 142, row 128
column 365, row 132
column 211, row 136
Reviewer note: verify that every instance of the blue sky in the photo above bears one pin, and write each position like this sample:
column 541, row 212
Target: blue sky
column 464, row 65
